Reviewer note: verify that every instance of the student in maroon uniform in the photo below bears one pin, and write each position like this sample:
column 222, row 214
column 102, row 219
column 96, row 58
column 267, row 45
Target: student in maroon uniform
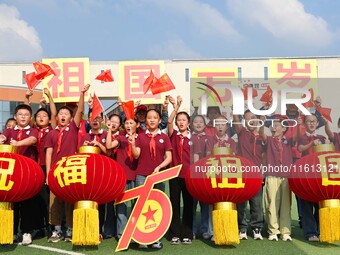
column 126, row 160
column 221, row 137
column 278, row 197
column 153, row 149
column 309, row 210
column 199, row 150
column 113, row 125
column 180, row 230
column 10, row 123
column 333, row 136
column 250, row 147
column 63, row 142
column 25, row 137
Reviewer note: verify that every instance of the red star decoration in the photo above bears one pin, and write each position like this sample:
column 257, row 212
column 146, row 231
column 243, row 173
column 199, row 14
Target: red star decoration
column 149, row 215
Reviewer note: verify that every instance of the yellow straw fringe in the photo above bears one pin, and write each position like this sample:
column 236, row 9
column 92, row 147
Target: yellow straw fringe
column 6, row 229
column 85, row 227
column 225, row 227
column 329, row 224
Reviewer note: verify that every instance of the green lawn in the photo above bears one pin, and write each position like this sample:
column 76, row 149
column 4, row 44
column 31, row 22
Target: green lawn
column 250, row 246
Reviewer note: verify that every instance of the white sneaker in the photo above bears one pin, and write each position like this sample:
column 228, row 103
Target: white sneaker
column 286, row 237
column 243, row 236
column 26, row 239
column 273, row 237
column 257, row 234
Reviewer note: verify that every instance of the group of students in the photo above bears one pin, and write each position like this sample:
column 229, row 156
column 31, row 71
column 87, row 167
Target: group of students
column 141, row 147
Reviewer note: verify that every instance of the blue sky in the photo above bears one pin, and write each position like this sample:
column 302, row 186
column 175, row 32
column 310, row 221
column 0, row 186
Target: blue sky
column 167, row 29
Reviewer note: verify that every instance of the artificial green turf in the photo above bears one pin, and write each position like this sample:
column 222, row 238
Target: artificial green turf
column 253, row 247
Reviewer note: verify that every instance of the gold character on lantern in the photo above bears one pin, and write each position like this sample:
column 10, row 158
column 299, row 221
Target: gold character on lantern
column 71, row 170
column 4, row 172
column 331, row 162
column 228, row 168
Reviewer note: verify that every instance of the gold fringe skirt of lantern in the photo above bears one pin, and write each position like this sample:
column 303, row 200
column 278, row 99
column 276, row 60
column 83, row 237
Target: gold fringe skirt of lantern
column 329, row 214
column 6, row 208
column 85, row 223
column 225, row 223
column 7, row 220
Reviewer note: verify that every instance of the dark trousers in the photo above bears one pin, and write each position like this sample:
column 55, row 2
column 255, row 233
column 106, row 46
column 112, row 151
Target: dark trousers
column 256, row 213
column 178, row 228
column 310, row 218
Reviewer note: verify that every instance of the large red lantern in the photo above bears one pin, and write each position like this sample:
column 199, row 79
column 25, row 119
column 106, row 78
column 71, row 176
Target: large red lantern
column 20, row 178
column 224, row 180
column 316, row 178
column 86, row 179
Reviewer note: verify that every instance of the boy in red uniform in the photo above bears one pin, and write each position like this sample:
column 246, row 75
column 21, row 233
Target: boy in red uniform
column 25, row 137
column 63, row 142
column 180, row 230
column 278, row 197
column 250, row 147
column 153, row 149
column 310, row 210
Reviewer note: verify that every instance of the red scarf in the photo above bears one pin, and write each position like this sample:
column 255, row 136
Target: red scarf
column 60, row 137
column 19, row 135
column 180, row 145
column 152, row 146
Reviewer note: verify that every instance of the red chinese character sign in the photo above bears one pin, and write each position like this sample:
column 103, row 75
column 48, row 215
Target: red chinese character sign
column 70, row 76
column 224, row 180
column 86, row 179
column 152, row 212
column 17, row 174
column 316, row 178
column 132, row 76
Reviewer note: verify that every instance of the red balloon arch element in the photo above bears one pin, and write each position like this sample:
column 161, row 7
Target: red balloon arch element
column 224, row 180
column 20, row 178
column 86, row 179
column 316, row 178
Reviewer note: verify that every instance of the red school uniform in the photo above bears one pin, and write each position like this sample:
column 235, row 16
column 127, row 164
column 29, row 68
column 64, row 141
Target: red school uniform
column 147, row 161
column 42, row 134
column 100, row 137
column 199, row 144
column 226, row 141
column 68, row 145
column 250, row 146
column 21, row 134
column 307, row 138
column 279, row 152
column 181, row 151
column 124, row 157
column 336, row 141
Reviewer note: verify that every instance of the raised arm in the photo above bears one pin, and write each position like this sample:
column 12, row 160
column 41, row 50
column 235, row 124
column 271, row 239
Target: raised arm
column 297, row 136
column 28, row 95
column 53, row 108
column 261, row 130
column 238, row 127
column 80, row 110
column 135, row 150
column 173, row 113
column 328, row 130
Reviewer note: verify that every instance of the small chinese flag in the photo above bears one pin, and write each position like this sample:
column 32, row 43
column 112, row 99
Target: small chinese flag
column 163, row 84
column 245, row 92
column 267, row 96
column 31, row 80
column 310, row 103
column 129, row 109
column 43, row 70
column 97, row 108
column 105, row 76
column 325, row 112
column 148, row 82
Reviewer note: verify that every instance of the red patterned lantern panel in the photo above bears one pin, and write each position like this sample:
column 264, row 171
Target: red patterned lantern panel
column 20, row 179
column 224, row 180
column 316, row 178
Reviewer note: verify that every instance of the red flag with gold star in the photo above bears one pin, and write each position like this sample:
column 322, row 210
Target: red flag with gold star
column 97, row 107
column 148, row 82
column 43, row 70
column 163, row 84
column 129, row 109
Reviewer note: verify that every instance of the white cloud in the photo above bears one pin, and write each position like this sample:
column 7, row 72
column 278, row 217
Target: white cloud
column 172, row 49
column 207, row 20
column 286, row 20
column 19, row 41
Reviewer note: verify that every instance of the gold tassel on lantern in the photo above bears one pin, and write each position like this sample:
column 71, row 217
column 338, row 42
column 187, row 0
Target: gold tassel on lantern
column 85, row 223
column 225, row 223
column 7, row 220
column 329, row 214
